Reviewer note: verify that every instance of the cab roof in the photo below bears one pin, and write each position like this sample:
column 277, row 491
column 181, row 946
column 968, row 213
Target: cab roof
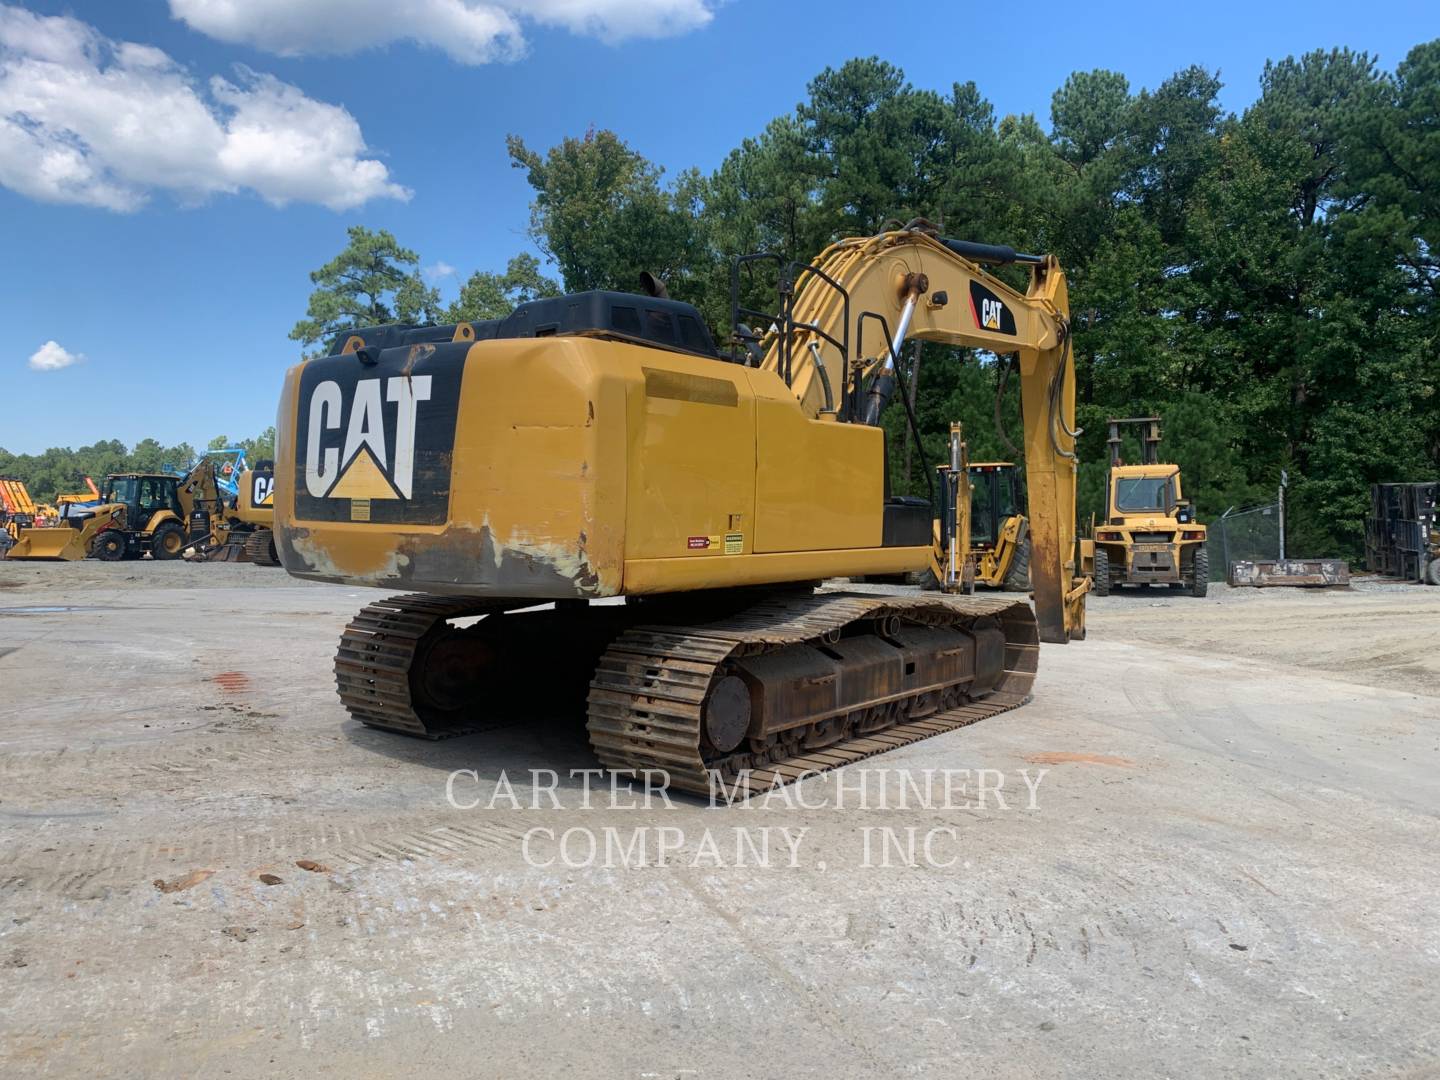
column 1144, row 470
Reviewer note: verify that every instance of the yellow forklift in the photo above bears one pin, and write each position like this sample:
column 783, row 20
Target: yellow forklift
column 1150, row 535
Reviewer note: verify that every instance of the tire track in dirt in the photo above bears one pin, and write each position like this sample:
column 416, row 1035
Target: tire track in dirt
column 91, row 872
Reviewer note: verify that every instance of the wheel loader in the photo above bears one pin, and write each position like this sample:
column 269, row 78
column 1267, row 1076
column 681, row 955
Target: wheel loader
column 1149, row 535
column 159, row 514
column 599, row 446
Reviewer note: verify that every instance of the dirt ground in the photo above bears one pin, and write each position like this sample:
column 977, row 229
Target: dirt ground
column 1226, row 866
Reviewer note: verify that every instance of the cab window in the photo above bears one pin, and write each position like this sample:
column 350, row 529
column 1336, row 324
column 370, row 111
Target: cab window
column 121, row 490
column 1143, row 493
column 982, row 509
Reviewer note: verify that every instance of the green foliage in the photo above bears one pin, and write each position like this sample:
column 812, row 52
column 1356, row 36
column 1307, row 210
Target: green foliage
column 601, row 214
column 492, row 296
column 260, row 448
column 365, row 285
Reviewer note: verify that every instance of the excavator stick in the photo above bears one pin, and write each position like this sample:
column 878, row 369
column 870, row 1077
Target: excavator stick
column 1047, row 399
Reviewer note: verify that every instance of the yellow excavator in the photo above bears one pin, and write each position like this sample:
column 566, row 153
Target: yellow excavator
column 156, row 513
column 244, row 532
column 255, row 507
column 599, row 445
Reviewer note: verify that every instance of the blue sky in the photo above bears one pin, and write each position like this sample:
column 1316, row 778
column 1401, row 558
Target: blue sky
column 181, row 301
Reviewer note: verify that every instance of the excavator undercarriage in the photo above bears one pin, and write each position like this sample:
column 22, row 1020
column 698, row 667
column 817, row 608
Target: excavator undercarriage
column 794, row 683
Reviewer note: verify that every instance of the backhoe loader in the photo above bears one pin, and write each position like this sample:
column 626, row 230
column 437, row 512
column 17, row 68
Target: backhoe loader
column 156, row 513
column 1150, row 535
column 599, row 445
column 999, row 532
column 981, row 514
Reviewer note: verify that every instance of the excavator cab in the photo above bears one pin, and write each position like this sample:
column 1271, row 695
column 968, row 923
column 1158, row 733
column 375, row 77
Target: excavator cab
column 143, row 495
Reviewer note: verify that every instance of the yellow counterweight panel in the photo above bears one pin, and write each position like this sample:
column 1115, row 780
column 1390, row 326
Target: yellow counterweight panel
column 820, row 486
column 692, row 456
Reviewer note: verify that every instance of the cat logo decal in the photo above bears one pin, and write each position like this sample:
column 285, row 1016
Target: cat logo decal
column 374, row 439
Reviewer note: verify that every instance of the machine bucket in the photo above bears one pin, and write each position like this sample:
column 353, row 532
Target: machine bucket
column 1316, row 573
column 60, row 542
column 228, row 552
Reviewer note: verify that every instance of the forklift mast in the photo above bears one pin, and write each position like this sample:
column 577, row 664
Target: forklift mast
column 1149, row 439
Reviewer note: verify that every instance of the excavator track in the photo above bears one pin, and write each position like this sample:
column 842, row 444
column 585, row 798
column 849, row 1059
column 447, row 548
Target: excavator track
column 671, row 696
column 260, row 548
column 375, row 665
column 655, row 685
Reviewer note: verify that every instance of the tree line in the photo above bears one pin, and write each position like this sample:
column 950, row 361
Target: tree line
column 62, row 470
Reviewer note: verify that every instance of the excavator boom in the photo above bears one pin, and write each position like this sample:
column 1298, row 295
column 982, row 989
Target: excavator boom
column 863, row 298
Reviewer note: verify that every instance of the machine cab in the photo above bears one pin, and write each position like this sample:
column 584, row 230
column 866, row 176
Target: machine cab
column 995, row 497
column 1139, row 492
column 143, row 495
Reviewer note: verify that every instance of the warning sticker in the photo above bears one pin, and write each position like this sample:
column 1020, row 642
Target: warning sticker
column 359, row 509
column 734, row 543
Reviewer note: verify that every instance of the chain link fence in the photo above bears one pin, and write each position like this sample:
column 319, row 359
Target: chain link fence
column 1252, row 533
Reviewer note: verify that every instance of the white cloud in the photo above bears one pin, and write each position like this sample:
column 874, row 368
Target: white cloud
column 439, row 271
column 87, row 120
column 52, row 357
column 470, row 31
